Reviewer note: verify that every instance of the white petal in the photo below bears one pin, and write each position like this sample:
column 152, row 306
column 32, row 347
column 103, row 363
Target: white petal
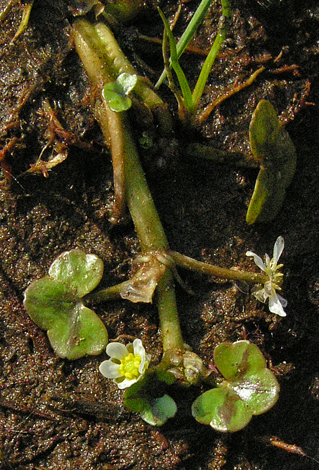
column 116, row 350
column 267, row 260
column 140, row 350
column 283, row 301
column 275, row 305
column 138, row 347
column 269, row 289
column 126, row 383
column 260, row 294
column 278, row 249
column 257, row 259
column 109, row 369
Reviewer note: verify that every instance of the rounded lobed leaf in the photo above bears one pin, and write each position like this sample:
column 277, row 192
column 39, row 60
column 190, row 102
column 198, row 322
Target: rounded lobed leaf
column 236, row 360
column 271, row 145
column 116, row 93
column 126, row 82
column 83, row 333
column 116, row 101
column 47, row 299
column 259, row 391
column 78, row 270
column 222, row 409
column 159, row 410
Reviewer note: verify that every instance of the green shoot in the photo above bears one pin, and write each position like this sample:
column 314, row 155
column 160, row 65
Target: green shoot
column 188, row 34
column 190, row 100
column 117, row 93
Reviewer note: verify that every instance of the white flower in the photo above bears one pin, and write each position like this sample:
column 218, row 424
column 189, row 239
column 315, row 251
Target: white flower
column 127, row 365
column 270, row 268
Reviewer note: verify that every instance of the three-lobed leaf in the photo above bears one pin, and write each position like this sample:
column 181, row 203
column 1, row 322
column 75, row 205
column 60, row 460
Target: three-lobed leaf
column 249, row 388
column 54, row 304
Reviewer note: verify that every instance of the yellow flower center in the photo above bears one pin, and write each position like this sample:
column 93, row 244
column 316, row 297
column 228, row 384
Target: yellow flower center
column 129, row 366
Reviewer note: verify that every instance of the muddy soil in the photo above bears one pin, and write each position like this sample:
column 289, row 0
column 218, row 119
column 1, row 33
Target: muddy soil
column 58, row 414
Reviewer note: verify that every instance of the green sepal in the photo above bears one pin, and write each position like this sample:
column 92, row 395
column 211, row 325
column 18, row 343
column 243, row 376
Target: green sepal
column 167, row 377
column 148, row 397
column 136, row 396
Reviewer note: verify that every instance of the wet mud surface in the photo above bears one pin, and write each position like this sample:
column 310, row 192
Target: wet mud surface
column 58, row 414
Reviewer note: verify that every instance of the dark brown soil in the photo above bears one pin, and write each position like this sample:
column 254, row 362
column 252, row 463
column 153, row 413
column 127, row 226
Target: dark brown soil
column 56, row 414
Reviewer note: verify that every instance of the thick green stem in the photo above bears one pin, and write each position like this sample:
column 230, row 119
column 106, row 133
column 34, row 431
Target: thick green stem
column 138, row 197
column 167, row 309
column 139, row 200
column 104, row 61
column 152, row 238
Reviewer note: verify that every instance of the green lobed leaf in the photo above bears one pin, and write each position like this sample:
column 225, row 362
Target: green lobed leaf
column 54, row 304
column 159, row 410
column 222, row 409
column 235, row 360
column 78, row 270
column 116, row 93
column 249, row 389
column 272, row 147
column 46, row 299
column 116, row 101
column 259, row 391
column 84, row 333
column 126, row 82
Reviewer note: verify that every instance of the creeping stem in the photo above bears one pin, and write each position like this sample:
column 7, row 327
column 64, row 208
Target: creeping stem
column 224, row 273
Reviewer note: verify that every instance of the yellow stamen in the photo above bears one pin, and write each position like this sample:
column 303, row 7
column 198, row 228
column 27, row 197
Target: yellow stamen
column 129, row 366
